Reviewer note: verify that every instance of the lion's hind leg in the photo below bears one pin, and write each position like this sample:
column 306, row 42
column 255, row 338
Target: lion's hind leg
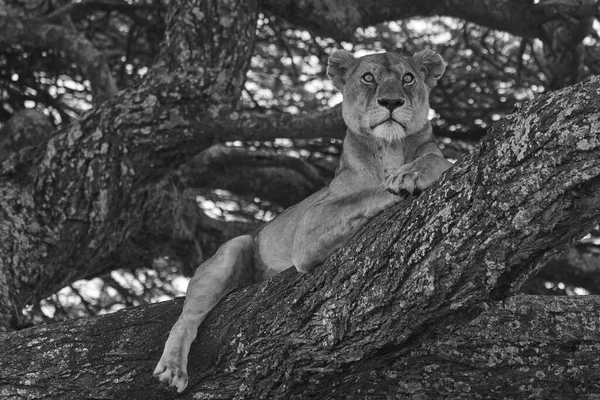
column 230, row 268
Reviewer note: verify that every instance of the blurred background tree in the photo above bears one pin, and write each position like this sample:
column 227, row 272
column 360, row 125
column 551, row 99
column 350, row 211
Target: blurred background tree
column 60, row 58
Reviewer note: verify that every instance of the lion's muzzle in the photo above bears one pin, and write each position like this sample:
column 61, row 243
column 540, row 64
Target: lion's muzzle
column 391, row 103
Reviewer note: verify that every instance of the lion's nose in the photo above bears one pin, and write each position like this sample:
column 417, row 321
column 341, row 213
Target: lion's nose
column 390, row 104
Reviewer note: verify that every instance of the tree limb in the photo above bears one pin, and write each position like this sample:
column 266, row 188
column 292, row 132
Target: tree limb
column 521, row 18
column 536, row 346
column 268, row 175
column 253, row 126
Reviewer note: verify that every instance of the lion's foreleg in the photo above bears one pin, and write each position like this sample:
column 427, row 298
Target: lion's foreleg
column 419, row 174
column 230, row 268
column 331, row 222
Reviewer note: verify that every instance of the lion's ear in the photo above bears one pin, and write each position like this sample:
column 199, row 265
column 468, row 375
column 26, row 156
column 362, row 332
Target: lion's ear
column 339, row 63
column 432, row 64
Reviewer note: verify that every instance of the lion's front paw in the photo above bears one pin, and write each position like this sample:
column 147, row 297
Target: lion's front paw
column 409, row 180
column 174, row 376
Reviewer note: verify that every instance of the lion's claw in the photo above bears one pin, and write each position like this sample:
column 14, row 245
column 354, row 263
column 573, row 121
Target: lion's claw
column 403, row 184
column 171, row 376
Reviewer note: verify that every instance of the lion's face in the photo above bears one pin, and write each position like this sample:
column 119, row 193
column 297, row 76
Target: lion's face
column 385, row 95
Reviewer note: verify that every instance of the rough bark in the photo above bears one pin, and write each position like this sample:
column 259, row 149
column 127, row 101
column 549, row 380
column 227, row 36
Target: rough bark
column 523, row 348
column 259, row 126
column 66, row 205
column 393, row 298
column 527, row 347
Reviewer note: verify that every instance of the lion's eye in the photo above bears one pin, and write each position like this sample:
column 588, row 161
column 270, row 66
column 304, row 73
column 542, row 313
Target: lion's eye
column 408, row 78
column 368, row 78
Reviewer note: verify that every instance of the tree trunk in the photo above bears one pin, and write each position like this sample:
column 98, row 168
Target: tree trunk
column 392, row 300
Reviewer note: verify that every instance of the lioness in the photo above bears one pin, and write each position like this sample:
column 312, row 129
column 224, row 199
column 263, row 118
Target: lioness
column 388, row 151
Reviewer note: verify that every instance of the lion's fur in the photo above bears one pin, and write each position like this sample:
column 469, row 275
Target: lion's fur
column 363, row 114
column 388, row 151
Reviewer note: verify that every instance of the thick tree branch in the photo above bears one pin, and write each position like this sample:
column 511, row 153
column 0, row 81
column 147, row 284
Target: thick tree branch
column 253, row 126
column 521, row 18
column 542, row 346
column 520, row 347
column 268, row 175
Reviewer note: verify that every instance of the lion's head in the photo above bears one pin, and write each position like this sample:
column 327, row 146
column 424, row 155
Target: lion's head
column 385, row 95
